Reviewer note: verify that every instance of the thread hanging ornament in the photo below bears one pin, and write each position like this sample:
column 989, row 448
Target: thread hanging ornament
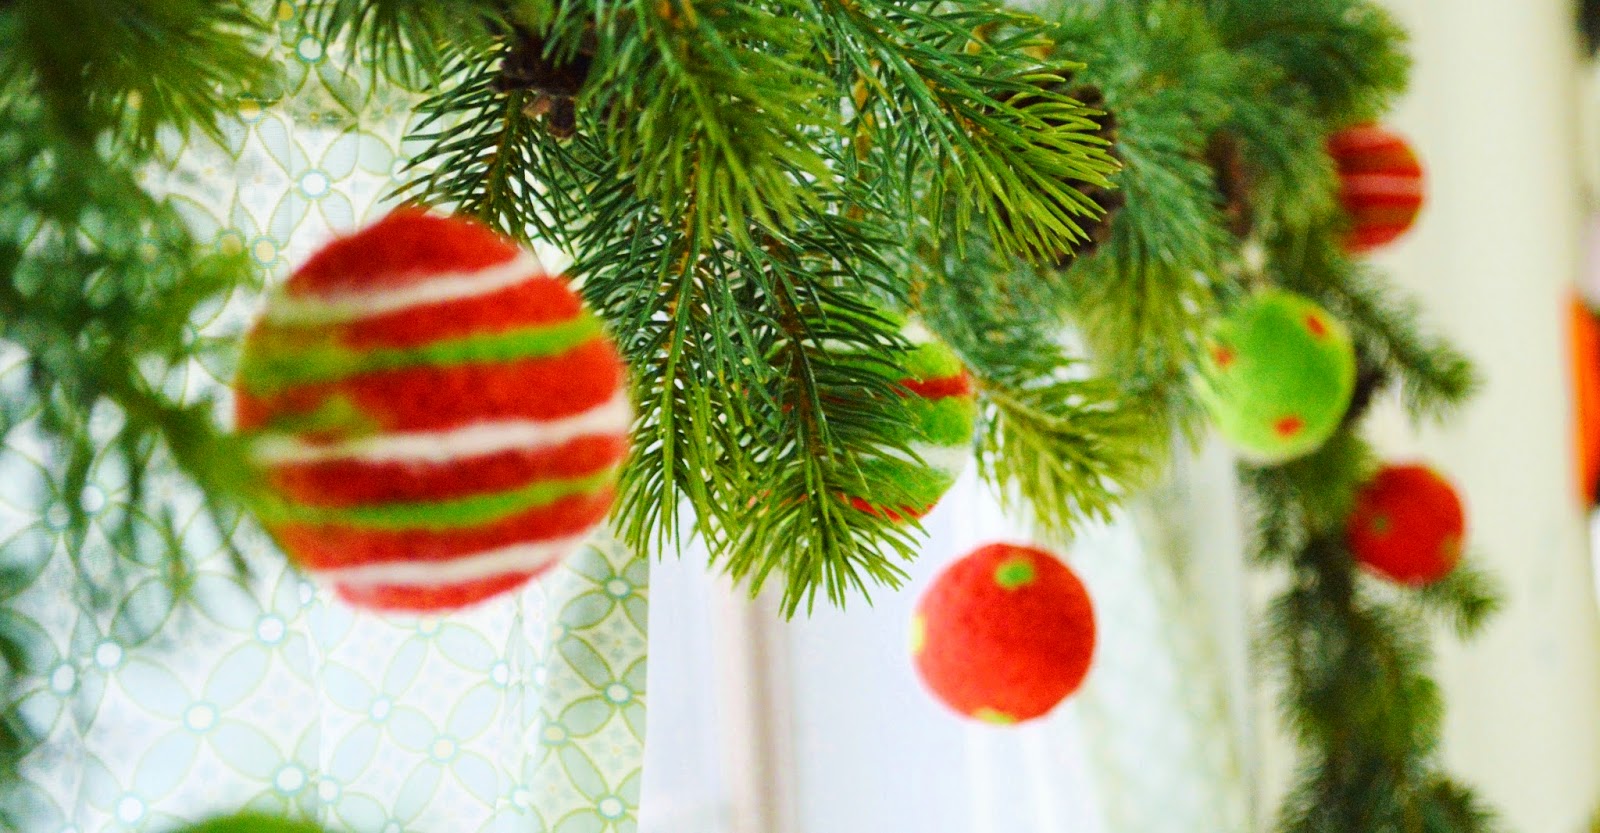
column 1408, row 525
column 436, row 419
column 942, row 409
column 1277, row 376
column 1380, row 184
column 1004, row 634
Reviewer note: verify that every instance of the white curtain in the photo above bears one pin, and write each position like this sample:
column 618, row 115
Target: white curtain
column 1150, row 745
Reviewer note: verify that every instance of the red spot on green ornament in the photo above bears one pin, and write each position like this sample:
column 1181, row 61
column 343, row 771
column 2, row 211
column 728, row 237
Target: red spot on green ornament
column 1288, row 426
column 1317, row 326
column 1222, row 356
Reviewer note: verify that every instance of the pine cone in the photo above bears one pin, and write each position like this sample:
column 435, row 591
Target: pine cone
column 1111, row 201
column 1235, row 180
column 555, row 86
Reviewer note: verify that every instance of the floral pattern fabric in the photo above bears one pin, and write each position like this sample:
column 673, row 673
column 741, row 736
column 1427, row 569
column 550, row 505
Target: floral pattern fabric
column 523, row 714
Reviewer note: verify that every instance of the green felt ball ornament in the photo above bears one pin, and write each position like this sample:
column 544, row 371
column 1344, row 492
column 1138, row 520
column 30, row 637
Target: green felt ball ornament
column 250, row 822
column 1277, row 376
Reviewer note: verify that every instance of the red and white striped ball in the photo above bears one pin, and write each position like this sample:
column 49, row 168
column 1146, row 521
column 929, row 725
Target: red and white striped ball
column 437, row 419
column 1380, row 184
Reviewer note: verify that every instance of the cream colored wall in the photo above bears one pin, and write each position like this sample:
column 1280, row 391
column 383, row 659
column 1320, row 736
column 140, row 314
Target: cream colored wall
column 1493, row 112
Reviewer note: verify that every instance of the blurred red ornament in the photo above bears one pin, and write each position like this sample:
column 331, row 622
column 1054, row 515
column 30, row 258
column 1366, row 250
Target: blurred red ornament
column 1408, row 525
column 1004, row 634
column 1380, row 184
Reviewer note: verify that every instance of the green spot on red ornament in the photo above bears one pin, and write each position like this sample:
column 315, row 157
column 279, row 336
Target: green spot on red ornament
column 993, row 717
column 1018, row 572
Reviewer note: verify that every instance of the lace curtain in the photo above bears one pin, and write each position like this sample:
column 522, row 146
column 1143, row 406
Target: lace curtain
column 525, row 714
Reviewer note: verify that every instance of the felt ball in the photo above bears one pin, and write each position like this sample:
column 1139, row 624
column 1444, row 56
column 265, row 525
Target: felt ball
column 253, row 823
column 1380, row 184
column 1408, row 525
column 1277, row 376
column 939, row 398
column 1584, row 343
column 436, row 419
column 1004, row 634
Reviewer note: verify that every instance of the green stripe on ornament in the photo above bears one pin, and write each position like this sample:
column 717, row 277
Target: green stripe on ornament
column 904, row 483
column 443, row 515
column 946, row 422
column 273, row 364
column 932, row 360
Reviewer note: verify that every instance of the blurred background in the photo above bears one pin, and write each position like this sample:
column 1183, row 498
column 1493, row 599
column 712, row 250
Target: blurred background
column 818, row 726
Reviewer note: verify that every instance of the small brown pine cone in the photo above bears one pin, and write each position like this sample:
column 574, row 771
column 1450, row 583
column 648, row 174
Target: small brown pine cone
column 555, row 86
column 1235, row 180
column 1110, row 200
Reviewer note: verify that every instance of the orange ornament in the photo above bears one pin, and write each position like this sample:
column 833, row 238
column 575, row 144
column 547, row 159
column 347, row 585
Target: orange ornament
column 1584, row 343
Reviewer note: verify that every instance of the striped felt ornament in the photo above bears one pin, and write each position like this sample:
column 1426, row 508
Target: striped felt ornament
column 1380, row 184
column 437, row 419
column 938, row 393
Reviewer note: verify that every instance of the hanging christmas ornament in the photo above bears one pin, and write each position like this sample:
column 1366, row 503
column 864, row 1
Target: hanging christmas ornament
column 254, row 823
column 437, row 419
column 1277, row 376
column 1584, row 343
column 1380, row 184
column 1408, row 525
column 943, row 409
column 1004, row 634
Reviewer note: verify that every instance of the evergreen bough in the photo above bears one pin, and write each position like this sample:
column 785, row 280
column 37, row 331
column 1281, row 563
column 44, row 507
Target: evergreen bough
column 754, row 193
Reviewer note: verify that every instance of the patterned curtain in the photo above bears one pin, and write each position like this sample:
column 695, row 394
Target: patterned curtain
column 524, row 714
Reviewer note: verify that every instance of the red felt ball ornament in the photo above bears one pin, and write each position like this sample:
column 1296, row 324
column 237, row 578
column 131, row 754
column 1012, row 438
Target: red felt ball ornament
column 1380, row 184
column 1004, row 634
column 1408, row 525
column 436, row 419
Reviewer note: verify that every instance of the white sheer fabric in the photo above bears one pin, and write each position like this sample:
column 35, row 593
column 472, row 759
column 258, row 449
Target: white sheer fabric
column 1149, row 746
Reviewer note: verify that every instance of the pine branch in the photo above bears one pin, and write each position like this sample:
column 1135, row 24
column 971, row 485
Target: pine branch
column 127, row 69
column 836, row 394
column 1052, row 440
column 1001, row 142
column 1068, row 449
column 416, row 44
column 1344, row 59
column 1186, row 81
column 717, row 110
column 736, row 227
column 1143, row 297
column 1466, row 599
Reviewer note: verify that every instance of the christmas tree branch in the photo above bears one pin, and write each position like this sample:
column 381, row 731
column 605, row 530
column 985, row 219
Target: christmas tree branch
column 1222, row 108
column 734, row 236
